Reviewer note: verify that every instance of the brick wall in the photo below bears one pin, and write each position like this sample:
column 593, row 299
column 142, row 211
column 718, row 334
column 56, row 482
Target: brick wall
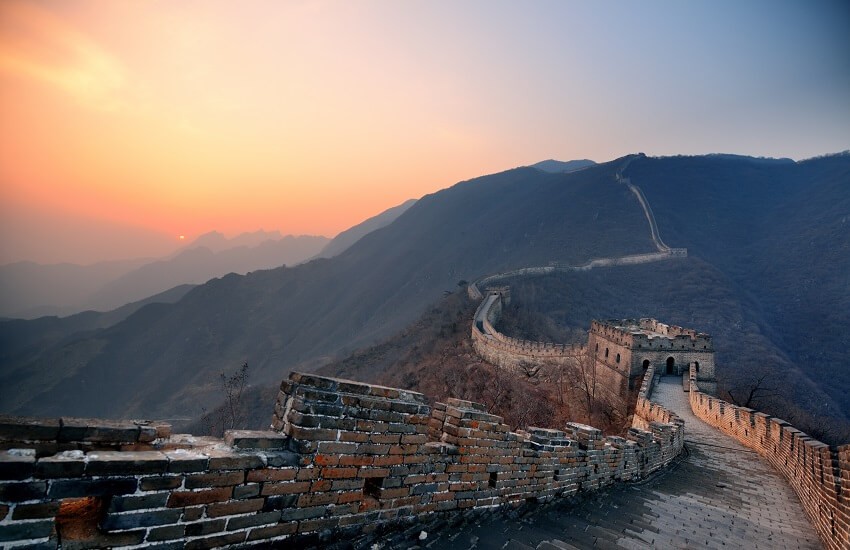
column 818, row 473
column 344, row 459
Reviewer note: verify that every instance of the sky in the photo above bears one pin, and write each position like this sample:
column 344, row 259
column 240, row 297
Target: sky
column 126, row 124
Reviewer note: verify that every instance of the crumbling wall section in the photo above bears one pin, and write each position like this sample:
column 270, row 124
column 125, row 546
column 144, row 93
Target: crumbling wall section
column 343, row 459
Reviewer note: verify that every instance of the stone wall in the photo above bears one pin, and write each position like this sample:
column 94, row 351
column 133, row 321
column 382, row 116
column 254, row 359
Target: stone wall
column 818, row 473
column 344, row 460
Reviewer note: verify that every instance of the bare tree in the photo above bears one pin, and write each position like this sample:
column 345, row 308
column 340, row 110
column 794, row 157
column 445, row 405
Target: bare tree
column 231, row 414
column 757, row 389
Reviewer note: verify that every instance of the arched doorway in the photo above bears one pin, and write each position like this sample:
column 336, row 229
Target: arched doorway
column 645, row 364
column 696, row 364
column 671, row 364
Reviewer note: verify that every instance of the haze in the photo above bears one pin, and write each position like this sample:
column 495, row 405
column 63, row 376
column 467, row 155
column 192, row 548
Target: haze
column 126, row 124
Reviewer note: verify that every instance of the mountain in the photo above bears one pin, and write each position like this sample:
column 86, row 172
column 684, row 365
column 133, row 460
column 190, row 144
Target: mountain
column 198, row 264
column 23, row 340
column 29, row 290
column 559, row 166
column 217, row 242
column 768, row 257
column 350, row 236
column 163, row 360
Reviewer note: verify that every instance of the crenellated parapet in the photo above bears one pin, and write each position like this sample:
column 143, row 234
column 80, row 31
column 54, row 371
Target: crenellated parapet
column 818, row 473
column 343, row 457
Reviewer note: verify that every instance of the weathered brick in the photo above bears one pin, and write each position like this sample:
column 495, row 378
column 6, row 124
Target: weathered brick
column 216, row 541
column 205, row 527
column 36, row 511
column 17, row 464
column 97, row 430
column 21, row 491
column 182, row 460
column 263, row 533
column 354, row 460
column 285, row 488
column 317, row 499
column 193, row 513
column 302, row 513
column 141, row 502
column 22, row 428
column 335, row 473
column 179, row 499
column 227, row 460
column 167, row 532
column 91, row 487
column 68, row 464
column 26, row 530
column 253, row 520
column 218, row 479
column 270, row 474
column 309, row 525
column 160, row 483
column 104, row 463
column 235, row 507
column 148, row 518
column 279, row 502
column 246, row 491
column 251, row 439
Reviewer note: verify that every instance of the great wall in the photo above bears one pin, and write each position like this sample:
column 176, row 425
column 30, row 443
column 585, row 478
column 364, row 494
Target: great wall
column 351, row 461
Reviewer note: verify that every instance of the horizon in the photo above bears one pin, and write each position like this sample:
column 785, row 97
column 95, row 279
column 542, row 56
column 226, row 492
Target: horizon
column 124, row 125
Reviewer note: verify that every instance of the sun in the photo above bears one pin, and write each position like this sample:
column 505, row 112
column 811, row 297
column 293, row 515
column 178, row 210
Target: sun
column 182, row 237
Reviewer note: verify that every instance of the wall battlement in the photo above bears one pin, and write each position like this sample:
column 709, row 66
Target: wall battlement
column 818, row 473
column 343, row 457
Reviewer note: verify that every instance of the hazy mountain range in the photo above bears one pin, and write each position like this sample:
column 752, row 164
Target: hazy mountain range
column 769, row 250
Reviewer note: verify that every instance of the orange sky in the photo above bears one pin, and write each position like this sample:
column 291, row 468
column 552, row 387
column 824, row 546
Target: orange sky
column 142, row 121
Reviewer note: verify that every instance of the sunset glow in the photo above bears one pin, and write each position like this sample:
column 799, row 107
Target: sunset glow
column 122, row 123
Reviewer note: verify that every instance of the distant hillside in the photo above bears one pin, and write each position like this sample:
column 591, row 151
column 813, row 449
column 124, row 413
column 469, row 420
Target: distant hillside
column 29, row 290
column 344, row 240
column 559, row 166
column 199, row 264
column 163, row 359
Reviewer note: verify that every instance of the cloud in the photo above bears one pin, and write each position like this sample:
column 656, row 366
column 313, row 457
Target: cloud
column 35, row 44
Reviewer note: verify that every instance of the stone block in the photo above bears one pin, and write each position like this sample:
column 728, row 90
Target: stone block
column 160, row 483
column 97, row 430
column 167, row 532
column 148, row 518
column 17, row 464
column 216, row 541
column 184, row 460
column 205, row 527
column 22, row 491
column 228, row 460
column 64, row 464
column 36, row 511
column 105, row 463
column 23, row 428
column 217, row 479
column 179, row 499
column 74, row 488
column 235, row 507
column 26, row 530
column 246, row 491
column 242, row 522
column 252, row 439
column 128, row 503
column 263, row 533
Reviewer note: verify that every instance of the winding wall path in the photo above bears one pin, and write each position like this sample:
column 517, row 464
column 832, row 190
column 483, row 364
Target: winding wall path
column 721, row 495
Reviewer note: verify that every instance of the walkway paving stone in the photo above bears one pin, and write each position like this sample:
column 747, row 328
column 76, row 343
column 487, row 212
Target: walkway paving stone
column 720, row 496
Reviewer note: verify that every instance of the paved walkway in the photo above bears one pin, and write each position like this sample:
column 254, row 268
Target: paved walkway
column 722, row 495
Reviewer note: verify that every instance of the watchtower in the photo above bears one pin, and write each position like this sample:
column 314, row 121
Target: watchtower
column 629, row 346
